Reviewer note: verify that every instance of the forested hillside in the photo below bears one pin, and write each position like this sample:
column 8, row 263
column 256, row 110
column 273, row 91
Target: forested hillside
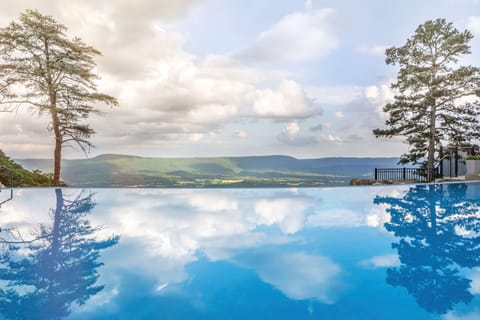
column 11, row 173
column 253, row 171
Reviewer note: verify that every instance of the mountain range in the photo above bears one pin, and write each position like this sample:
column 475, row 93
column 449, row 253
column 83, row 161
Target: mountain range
column 112, row 170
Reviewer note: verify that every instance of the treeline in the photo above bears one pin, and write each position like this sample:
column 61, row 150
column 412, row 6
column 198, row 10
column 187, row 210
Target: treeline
column 13, row 174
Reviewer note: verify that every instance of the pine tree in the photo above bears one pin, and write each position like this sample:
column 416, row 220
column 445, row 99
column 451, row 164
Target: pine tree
column 42, row 68
column 437, row 101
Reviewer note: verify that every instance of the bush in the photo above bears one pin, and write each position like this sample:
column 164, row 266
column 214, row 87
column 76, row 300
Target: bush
column 17, row 176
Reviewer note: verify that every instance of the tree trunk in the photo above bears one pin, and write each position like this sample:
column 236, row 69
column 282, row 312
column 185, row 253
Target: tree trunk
column 431, row 143
column 57, row 156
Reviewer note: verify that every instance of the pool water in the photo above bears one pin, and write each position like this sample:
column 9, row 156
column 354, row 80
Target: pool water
column 389, row 252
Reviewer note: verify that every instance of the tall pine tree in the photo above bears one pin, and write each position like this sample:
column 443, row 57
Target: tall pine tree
column 437, row 101
column 42, row 68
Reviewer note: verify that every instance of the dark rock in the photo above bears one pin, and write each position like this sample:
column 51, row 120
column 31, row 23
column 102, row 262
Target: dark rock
column 361, row 182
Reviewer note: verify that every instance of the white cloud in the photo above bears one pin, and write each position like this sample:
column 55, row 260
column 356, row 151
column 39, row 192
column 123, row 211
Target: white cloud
column 292, row 129
column 356, row 110
column 212, row 202
column 332, row 138
column 296, row 37
column 473, row 24
column 289, row 101
column 288, row 214
column 378, row 216
column 299, row 275
column 292, row 135
column 165, row 93
column 241, row 134
column 168, row 229
column 379, row 96
column 212, row 113
column 475, row 315
column 385, row 261
column 475, row 284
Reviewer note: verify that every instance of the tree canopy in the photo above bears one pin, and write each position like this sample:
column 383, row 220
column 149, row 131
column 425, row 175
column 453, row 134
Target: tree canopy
column 436, row 101
column 42, row 68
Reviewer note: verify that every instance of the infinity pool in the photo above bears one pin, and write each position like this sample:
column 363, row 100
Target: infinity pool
column 397, row 252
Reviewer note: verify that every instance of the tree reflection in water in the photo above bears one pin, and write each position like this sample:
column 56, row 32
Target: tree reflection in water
column 43, row 277
column 439, row 235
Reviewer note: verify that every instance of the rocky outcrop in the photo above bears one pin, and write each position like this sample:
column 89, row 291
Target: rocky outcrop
column 364, row 182
column 369, row 182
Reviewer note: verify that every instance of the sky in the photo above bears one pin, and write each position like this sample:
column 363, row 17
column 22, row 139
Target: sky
column 201, row 78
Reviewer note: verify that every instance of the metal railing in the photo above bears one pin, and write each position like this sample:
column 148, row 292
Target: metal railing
column 399, row 174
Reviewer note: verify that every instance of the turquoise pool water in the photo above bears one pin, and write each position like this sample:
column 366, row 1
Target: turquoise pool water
column 396, row 252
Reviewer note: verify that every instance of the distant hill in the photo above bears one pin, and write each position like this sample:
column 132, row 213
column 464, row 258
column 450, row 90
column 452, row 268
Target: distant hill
column 267, row 171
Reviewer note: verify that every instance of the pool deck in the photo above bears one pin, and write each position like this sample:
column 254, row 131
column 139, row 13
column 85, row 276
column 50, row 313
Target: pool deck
column 470, row 177
column 363, row 182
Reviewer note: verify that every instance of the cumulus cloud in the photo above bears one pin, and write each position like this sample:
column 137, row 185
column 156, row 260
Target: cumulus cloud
column 212, row 202
column 296, row 37
column 474, row 275
column 288, row 214
column 166, row 94
column 356, row 115
column 289, row 101
column 292, row 129
column 292, row 134
column 385, row 261
column 332, row 138
column 378, row 216
column 165, row 230
column 298, row 275
column 379, row 96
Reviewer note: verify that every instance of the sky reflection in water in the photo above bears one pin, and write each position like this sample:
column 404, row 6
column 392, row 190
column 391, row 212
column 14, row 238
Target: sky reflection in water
column 393, row 252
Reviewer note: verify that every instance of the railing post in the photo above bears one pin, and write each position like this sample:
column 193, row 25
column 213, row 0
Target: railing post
column 441, row 162
column 376, row 174
column 404, row 173
column 456, row 161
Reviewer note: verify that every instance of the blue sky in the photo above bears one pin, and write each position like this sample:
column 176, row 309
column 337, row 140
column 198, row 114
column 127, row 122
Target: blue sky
column 213, row 78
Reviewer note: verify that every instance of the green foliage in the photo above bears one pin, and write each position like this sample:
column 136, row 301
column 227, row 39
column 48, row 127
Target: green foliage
column 15, row 175
column 430, row 106
column 42, row 68
column 473, row 158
